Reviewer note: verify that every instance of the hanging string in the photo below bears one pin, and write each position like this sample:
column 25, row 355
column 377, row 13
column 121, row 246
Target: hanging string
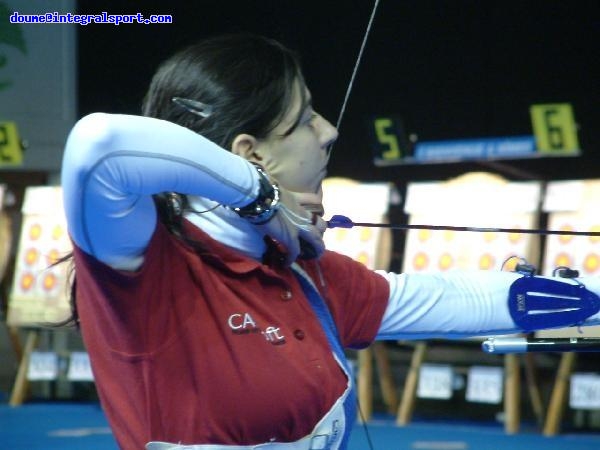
column 329, row 150
column 356, row 66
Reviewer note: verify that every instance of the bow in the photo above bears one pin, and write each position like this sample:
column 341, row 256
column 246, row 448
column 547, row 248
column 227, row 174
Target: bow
column 339, row 221
column 497, row 345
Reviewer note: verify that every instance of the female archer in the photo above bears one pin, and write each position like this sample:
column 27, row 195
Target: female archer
column 212, row 313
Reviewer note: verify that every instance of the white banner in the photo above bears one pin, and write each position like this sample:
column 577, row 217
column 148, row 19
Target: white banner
column 435, row 381
column 585, row 391
column 485, row 384
column 79, row 367
column 42, row 366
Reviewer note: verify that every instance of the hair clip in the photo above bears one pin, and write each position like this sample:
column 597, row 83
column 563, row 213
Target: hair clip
column 194, row 106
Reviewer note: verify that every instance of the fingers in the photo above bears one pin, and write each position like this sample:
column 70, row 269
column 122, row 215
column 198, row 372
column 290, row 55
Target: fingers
column 319, row 223
column 297, row 228
column 311, row 238
column 311, row 248
column 294, row 248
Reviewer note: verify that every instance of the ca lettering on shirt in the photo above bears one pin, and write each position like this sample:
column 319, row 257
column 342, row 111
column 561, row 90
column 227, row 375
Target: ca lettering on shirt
column 242, row 323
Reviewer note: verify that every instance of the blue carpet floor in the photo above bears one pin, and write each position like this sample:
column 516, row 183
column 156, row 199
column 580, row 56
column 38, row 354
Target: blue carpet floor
column 82, row 426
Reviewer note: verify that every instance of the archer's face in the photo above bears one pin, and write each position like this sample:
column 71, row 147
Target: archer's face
column 297, row 156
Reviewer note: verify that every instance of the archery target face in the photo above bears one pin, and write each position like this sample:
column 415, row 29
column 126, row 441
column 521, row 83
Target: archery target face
column 40, row 290
column 358, row 243
column 573, row 205
column 581, row 253
column 442, row 250
column 362, row 202
column 473, row 200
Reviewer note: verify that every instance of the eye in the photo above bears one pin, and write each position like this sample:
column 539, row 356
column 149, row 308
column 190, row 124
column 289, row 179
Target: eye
column 310, row 117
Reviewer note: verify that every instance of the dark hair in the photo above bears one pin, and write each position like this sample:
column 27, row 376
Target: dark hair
column 247, row 81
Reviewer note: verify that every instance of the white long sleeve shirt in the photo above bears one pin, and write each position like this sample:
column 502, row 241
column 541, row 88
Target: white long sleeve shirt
column 113, row 164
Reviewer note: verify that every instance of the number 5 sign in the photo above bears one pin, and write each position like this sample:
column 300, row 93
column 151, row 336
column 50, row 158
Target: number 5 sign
column 388, row 140
column 555, row 129
column 10, row 146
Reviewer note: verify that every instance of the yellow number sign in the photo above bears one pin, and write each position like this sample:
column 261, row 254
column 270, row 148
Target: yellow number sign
column 10, row 146
column 387, row 138
column 554, row 128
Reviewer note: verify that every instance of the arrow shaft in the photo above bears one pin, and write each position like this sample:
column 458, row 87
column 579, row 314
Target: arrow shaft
column 477, row 229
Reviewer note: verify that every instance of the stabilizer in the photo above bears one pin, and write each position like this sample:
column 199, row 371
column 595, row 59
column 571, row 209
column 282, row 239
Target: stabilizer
column 536, row 303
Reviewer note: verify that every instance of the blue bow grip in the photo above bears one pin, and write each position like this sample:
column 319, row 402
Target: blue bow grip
column 536, row 303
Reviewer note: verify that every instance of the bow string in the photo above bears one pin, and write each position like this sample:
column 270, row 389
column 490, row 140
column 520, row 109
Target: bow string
column 340, row 221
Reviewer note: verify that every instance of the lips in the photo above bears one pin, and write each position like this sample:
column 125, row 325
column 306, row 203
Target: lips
column 314, row 202
column 315, row 208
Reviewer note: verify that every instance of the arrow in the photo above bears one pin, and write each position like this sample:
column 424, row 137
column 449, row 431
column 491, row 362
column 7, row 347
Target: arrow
column 339, row 221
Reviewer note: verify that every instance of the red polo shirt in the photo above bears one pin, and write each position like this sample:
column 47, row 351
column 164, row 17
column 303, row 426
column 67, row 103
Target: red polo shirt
column 216, row 347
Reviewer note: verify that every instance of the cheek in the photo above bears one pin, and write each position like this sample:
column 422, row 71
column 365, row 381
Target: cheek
column 306, row 169
column 299, row 163
column 308, row 154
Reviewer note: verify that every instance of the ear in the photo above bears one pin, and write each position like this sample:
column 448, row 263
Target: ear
column 246, row 146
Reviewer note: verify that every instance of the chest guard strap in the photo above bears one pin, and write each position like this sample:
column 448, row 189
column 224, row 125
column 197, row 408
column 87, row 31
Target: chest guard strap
column 536, row 303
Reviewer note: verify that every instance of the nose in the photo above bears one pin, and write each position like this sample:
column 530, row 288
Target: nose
column 328, row 134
